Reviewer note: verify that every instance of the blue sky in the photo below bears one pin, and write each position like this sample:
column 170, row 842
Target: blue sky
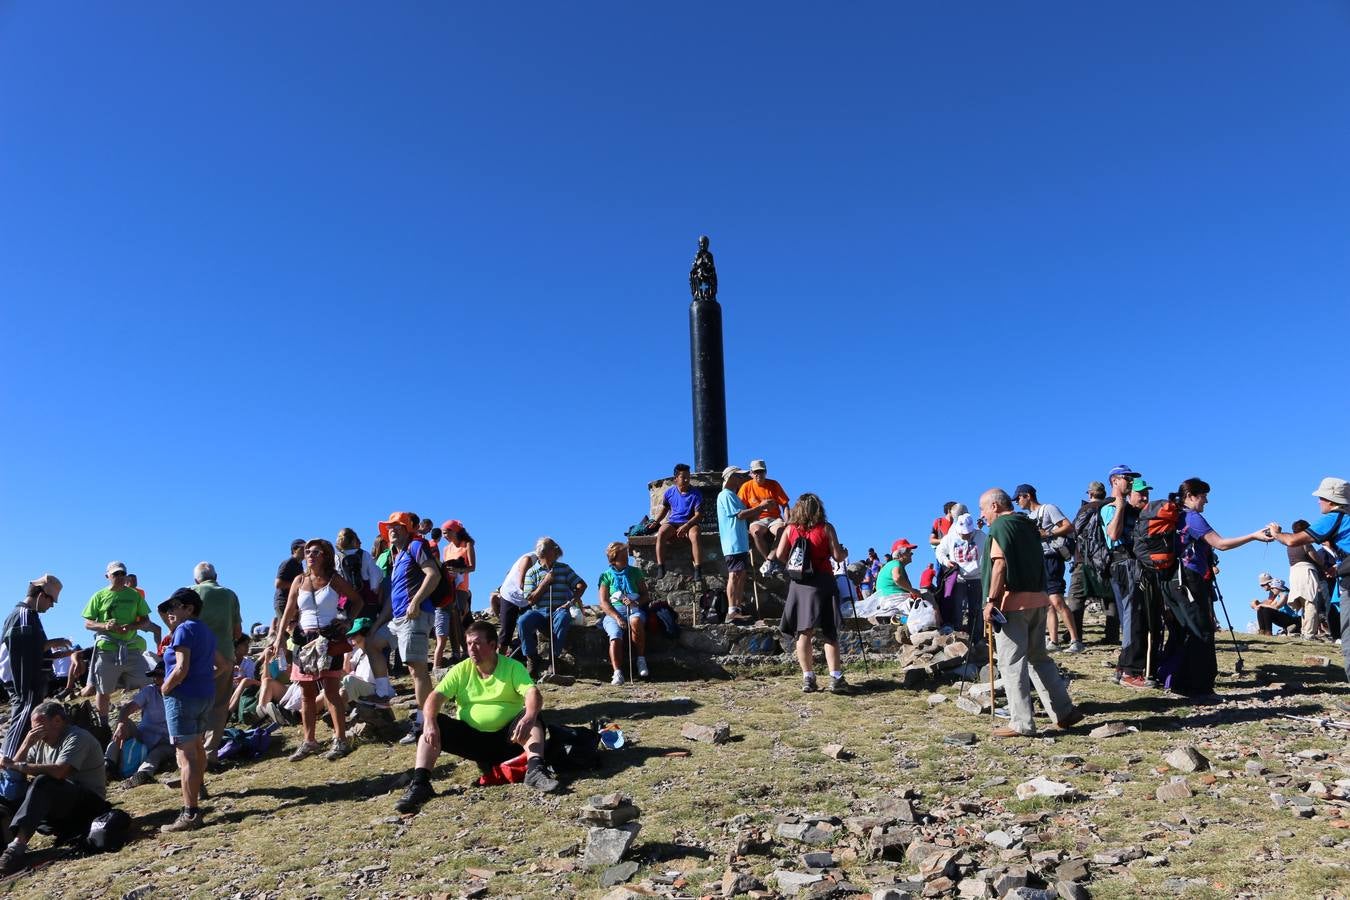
column 268, row 271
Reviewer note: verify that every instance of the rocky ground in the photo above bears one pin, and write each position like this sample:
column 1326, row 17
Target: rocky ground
column 746, row 787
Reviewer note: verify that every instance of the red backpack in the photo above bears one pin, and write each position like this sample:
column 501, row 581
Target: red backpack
column 1157, row 535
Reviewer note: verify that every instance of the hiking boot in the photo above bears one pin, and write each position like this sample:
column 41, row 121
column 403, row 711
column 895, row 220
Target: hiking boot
column 1138, row 682
column 201, row 792
column 139, row 778
column 1075, row 716
column 1006, row 732
column 536, row 667
column 840, row 685
column 1077, row 647
column 185, row 822
column 339, row 749
column 418, row 793
column 698, row 574
column 1052, row 647
column 809, row 685
column 660, row 571
column 618, row 677
column 537, row 777
column 642, row 669
column 14, row 859
column 306, row 748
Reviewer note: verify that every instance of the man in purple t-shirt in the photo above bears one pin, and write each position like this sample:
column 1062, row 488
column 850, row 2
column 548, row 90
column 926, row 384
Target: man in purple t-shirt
column 681, row 510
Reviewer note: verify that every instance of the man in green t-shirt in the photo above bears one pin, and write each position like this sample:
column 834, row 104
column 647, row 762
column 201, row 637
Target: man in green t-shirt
column 116, row 615
column 1012, row 576
column 497, row 717
column 220, row 613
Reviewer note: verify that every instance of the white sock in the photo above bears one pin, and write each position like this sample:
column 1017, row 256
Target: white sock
column 834, row 674
column 807, row 676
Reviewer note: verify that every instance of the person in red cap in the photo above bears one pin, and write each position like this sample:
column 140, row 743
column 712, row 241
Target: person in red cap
column 893, row 580
column 460, row 557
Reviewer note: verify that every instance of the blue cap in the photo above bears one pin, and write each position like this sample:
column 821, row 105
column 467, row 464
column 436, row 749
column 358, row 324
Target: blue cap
column 1122, row 469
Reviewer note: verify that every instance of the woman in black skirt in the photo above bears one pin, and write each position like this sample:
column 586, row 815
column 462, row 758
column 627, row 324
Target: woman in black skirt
column 813, row 596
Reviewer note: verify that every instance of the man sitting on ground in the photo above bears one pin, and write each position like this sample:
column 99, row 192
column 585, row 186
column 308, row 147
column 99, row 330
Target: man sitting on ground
column 152, row 732
column 1274, row 610
column 497, row 716
column 69, row 781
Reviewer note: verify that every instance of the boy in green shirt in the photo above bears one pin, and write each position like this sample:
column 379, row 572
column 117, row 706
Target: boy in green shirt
column 116, row 615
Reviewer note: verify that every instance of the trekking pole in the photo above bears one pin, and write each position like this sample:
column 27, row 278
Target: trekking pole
column 989, row 639
column 857, row 631
column 1237, row 669
column 628, row 639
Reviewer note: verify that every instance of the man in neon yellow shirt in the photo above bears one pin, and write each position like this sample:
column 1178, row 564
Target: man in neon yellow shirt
column 117, row 614
column 497, row 709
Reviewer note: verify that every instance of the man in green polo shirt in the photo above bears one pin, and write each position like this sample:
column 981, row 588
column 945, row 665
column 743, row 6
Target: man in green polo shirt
column 497, row 716
column 116, row 615
column 220, row 613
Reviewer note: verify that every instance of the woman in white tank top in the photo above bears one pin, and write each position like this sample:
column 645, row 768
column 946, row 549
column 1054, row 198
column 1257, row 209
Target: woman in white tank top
column 315, row 600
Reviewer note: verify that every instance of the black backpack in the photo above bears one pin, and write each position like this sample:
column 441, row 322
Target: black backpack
column 109, row 832
column 1087, row 527
column 572, row 747
column 349, row 567
column 444, row 592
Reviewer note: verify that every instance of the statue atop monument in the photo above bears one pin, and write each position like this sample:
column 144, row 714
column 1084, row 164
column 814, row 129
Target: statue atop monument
column 703, row 274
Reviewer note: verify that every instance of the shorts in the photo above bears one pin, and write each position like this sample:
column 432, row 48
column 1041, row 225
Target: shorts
column 279, row 605
column 354, row 688
column 1054, row 575
column 738, row 562
column 411, row 636
column 122, row 667
column 487, row 748
column 614, row 629
column 773, row 524
column 187, row 717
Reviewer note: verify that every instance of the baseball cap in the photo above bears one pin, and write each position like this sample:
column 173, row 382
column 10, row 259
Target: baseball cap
column 1122, row 469
column 1023, row 489
column 902, row 544
column 360, row 626
column 1140, row 485
column 1096, row 487
column 731, row 470
column 757, row 465
column 964, row 524
column 451, row 526
column 115, row 566
column 297, row 544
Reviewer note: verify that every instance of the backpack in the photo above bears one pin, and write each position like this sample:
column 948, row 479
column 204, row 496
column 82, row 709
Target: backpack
column 237, row 743
column 1157, row 535
column 83, row 715
column 349, row 567
column 109, row 832
column 1087, row 527
column 444, row 593
column 572, row 747
column 799, row 566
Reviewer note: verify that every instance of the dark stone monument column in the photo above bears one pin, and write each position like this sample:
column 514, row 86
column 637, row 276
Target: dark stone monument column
column 705, row 358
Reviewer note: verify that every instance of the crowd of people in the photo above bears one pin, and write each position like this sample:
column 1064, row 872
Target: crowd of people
column 346, row 617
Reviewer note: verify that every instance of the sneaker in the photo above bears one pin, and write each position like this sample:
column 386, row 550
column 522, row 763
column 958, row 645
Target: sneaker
column 418, row 792
column 1052, row 647
column 306, row 748
column 13, row 860
column 1077, row 647
column 809, row 685
column 840, row 685
column 642, row 669
column 537, row 777
column 339, row 749
column 1138, row 682
column 184, row 822
column 138, row 778
column 617, row 678
column 1075, row 716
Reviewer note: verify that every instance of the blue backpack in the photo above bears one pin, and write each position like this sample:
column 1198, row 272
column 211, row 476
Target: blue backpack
column 250, row 744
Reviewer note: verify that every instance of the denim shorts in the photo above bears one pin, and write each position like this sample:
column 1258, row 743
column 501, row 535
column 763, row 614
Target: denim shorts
column 614, row 629
column 187, row 717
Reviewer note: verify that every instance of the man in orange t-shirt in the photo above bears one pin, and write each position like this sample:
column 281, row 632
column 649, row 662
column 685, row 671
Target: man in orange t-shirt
column 767, row 496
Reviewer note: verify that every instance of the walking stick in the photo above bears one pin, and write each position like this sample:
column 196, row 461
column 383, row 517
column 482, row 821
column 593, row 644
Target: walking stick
column 628, row 639
column 1237, row 669
column 989, row 639
column 857, row 632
